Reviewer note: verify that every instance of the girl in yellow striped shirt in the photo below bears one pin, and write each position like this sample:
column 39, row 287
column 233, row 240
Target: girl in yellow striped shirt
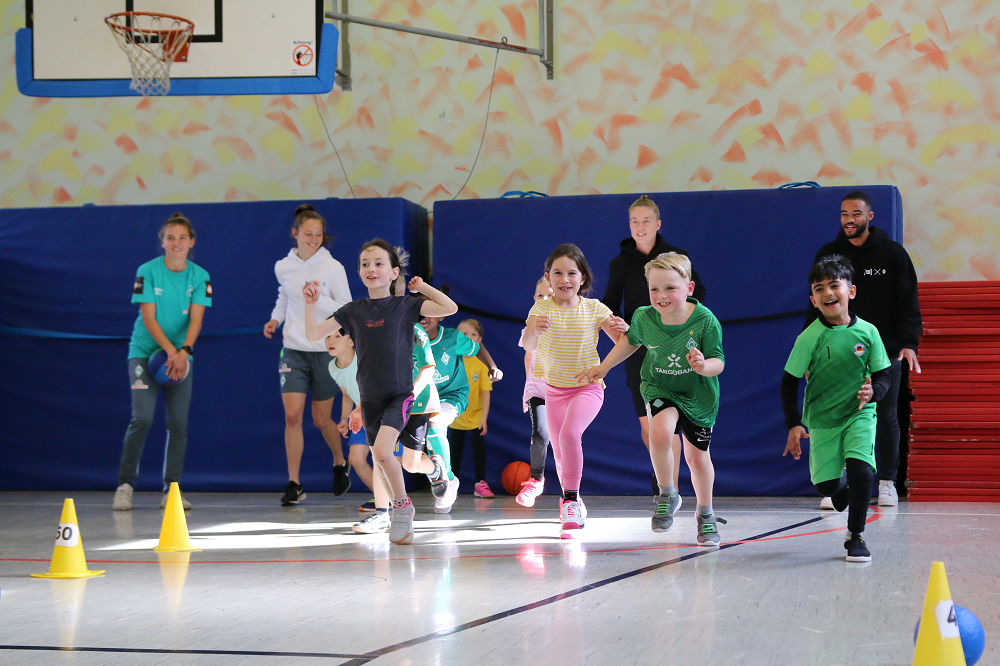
column 564, row 331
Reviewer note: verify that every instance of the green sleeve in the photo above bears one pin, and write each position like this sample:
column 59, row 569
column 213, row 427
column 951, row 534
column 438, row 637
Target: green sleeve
column 878, row 359
column 801, row 356
column 143, row 289
column 635, row 330
column 711, row 341
column 202, row 290
column 464, row 346
column 422, row 355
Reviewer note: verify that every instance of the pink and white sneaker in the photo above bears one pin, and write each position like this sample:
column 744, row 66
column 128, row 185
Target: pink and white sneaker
column 530, row 489
column 582, row 504
column 482, row 489
column 572, row 519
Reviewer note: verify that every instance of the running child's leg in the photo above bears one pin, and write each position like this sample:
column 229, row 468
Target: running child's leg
column 321, row 410
column 661, row 451
column 358, row 456
column 479, row 454
column 378, row 522
column 382, row 453
column 860, row 475
column 456, row 444
column 539, row 437
column 578, row 407
column 702, row 475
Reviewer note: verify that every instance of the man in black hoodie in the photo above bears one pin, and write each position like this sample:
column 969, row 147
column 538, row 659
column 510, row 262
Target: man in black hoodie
column 627, row 282
column 886, row 298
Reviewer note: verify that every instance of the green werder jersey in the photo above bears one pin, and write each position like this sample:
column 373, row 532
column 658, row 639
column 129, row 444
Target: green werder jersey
column 666, row 372
column 838, row 359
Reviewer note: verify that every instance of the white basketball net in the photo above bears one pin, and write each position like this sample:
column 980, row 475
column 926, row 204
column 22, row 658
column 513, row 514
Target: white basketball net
column 151, row 43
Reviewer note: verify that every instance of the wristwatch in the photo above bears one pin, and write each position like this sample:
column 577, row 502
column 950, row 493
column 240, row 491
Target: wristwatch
column 189, row 349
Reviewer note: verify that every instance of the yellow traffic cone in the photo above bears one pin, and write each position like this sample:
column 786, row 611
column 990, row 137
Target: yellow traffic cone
column 938, row 640
column 174, row 532
column 68, row 560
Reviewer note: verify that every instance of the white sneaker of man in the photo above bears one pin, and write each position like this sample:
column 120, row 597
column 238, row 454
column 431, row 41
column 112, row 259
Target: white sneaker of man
column 887, row 493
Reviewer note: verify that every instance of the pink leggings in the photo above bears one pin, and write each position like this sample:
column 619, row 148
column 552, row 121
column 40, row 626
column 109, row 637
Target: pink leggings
column 569, row 411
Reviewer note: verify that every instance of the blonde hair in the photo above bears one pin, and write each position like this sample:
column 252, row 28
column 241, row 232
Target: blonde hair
column 671, row 261
column 541, row 280
column 645, row 202
column 474, row 325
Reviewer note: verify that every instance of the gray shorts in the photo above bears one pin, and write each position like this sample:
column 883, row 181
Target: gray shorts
column 303, row 372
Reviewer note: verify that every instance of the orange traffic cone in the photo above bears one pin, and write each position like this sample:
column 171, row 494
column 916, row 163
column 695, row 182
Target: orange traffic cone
column 938, row 640
column 174, row 532
column 68, row 560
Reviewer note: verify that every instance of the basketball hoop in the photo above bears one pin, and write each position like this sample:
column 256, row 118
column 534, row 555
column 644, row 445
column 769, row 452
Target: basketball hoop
column 151, row 42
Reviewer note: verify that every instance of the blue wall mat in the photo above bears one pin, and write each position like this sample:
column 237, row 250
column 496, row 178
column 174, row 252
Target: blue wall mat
column 66, row 401
column 752, row 249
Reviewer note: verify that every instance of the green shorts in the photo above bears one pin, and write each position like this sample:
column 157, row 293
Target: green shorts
column 830, row 447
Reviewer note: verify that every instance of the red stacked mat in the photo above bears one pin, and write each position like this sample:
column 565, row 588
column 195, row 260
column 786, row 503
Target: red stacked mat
column 955, row 420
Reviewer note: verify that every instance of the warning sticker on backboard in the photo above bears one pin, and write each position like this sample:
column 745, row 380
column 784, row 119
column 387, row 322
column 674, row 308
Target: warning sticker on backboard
column 304, row 57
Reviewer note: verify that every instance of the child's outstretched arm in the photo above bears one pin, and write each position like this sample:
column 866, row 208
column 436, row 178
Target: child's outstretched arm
column 622, row 350
column 537, row 324
column 793, row 418
column 495, row 373
column 615, row 327
column 706, row 367
column 316, row 332
column 439, row 305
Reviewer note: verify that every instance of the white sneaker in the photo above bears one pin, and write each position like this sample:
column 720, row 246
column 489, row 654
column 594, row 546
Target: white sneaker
column 163, row 502
column 826, row 503
column 572, row 519
column 376, row 523
column 444, row 503
column 123, row 498
column 401, row 529
column 887, row 493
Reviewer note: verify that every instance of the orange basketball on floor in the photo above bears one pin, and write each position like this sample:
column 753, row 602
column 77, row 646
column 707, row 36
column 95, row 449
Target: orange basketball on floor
column 514, row 475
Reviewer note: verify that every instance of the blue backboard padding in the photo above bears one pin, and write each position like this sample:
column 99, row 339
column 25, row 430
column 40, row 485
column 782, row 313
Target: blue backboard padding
column 752, row 249
column 326, row 67
column 71, row 270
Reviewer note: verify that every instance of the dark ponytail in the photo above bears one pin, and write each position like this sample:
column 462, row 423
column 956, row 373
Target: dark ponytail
column 179, row 219
column 307, row 212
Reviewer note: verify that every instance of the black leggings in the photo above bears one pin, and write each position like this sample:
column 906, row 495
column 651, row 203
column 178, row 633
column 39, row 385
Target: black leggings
column 857, row 482
column 539, row 437
column 456, row 441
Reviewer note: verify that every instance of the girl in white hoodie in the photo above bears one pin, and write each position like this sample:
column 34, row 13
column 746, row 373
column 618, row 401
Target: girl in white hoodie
column 303, row 364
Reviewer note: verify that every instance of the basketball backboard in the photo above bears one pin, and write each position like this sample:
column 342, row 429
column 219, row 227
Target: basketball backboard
column 240, row 47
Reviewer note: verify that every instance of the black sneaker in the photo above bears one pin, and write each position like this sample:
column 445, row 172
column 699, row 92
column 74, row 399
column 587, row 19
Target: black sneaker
column 438, row 478
column 857, row 549
column 341, row 478
column 293, row 494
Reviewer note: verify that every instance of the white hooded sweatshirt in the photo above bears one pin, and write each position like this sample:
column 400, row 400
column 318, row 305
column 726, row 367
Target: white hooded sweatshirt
column 290, row 308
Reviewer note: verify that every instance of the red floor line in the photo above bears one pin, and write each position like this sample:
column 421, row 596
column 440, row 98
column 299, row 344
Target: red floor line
column 875, row 516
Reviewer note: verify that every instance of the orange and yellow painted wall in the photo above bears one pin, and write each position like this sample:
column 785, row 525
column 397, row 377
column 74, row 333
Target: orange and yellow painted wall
column 649, row 95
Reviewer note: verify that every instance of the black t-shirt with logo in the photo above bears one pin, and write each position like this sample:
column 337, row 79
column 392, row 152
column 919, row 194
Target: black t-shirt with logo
column 382, row 331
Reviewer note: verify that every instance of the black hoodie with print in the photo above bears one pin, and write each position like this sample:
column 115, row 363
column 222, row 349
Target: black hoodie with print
column 627, row 277
column 887, row 288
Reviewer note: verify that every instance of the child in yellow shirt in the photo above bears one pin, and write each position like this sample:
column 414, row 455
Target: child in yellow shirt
column 473, row 419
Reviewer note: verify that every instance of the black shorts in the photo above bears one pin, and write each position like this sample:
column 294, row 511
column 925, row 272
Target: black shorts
column 414, row 433
column 633, row 369
column 699, row 437
column 391, row 411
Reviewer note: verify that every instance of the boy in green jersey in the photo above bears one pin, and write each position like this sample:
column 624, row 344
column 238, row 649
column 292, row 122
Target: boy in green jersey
column 679, row 383
column 844, row 362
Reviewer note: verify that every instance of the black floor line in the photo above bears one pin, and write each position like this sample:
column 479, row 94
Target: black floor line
column 375, row 654
column 241, row 653
column 361, row 659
